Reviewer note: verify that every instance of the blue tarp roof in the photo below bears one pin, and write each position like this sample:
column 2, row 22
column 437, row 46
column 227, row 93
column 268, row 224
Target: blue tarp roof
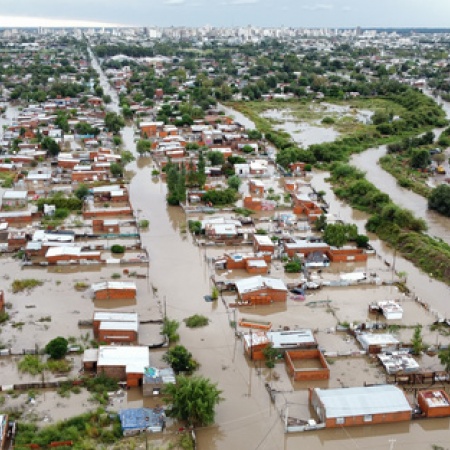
column 142, row 418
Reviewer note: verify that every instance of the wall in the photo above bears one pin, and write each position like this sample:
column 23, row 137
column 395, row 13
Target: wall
column 115, row 294
column 117, row 372
column 264, row 296
column 306, row 374
column 117, row 336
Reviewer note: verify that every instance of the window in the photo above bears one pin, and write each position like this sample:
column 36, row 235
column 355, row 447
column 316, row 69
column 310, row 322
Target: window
column 368, row 418
column 340, row 420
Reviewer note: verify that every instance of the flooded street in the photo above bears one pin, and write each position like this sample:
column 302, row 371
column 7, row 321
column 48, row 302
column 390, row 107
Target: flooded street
column 178, row 279
column 367, row 161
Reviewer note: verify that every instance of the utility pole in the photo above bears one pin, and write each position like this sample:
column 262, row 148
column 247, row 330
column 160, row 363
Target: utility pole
column 392, row 443
column 165, row 308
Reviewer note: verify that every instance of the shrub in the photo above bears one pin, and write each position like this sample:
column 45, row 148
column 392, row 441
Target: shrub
column 57, row 348
column 117, row 249
column 144, row 223
column 293, row 266
column 196, row 321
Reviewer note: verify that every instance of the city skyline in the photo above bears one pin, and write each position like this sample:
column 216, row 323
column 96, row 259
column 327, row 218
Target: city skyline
column 227, row 13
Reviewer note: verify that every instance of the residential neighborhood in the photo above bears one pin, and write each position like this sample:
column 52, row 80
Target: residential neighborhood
column 194, row 248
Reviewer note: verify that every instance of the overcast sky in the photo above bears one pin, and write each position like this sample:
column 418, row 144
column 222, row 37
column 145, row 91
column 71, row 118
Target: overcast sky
column 271, row 13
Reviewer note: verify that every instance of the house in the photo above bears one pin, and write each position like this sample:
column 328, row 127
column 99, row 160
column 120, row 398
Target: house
column 116, row 327
column 256, row 187
column 434, row 403
column 155, row 379
column 360, row 405
column 391, row 310
column 398, row 362
column 15, row 199
column 252, row 263
column 255, row 343
column 124, row 362
column 114, row 290
column 106, row 226
column 377, row 343
column 260, row 290
column 263, row 243
column 57, row 255
column 138, row 420
column 304, row 247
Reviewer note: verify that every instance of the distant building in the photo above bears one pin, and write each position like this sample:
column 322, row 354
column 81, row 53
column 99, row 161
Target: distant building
column 261, row 290
column 434, row 403
column 114, row 290
column 155, row 379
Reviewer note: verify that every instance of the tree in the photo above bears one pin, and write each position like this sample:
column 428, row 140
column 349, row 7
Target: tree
column 440, row 199
column 201, row 176
column 114, row 122
column 216, row 158
column 192, row 399
column 338, row 234
column 57, row 348
column 444, row 357
column 143, row 146
column 234, row 182
column 116, row 169
column 180, row 359
column 417, row 341
column 51, row 146
column 170, row 329
column 82, row 191
column 420, row 158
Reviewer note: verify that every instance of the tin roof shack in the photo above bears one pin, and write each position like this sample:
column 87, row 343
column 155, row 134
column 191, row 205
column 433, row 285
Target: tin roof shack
column 124, row 363
column 138, row 420
column 255, row 343
column 391, row 310
column 378, row 343
column 114, row 290
column 260, row 290
column 360, row 405
column 434, row 403
column 116, row 327
column 155, row 379
column 306, row 365
column 396, row 362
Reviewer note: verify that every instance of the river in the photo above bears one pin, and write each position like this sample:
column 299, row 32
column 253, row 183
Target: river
column 246, row 418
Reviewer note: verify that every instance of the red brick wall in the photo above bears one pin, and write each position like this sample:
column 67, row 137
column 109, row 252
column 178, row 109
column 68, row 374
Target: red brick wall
column 115, row 294
column 309, row 374
column 117, row 336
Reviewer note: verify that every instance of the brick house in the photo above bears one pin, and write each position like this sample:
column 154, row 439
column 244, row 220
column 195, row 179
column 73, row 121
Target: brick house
column 434, row 403
column 261, row 290
column 255, row 343
column 105, row 226
column 306, row 365
column 115, row 327
column 367, row 405
column 263, row 243
column 124, row 363
column 114, row 290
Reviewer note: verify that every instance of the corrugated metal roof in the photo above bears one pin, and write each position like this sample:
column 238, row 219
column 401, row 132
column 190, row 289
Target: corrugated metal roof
column 258, row 282
column 119, row 326
column 142, row 418
column 113, row 285
column 358, row 401
column 134, row 358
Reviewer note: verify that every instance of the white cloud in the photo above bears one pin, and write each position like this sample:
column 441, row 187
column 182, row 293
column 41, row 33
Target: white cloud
column 318, row 7
column 174, row 2
column 243, row 2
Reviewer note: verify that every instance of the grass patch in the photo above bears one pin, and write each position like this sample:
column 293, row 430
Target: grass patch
column 25, row 284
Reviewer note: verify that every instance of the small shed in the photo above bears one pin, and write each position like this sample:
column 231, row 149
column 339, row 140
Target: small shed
column 137, row 420
column 434, row 403
column 155, row 379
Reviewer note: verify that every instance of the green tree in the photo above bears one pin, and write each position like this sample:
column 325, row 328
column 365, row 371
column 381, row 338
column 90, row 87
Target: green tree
column 116, row 169
column 444, row 357
column 114, row 122
column 417, row 341
column 57, row 348
column 201, row 177
column 420, row 158
column 82, row 191
column 170, row 329
column 234, row 182
column 338, row 234
column 439, row 199
column 192, row 399
column 180, row 359
column 216, row 158
column 51, row 146
column 143, row 146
